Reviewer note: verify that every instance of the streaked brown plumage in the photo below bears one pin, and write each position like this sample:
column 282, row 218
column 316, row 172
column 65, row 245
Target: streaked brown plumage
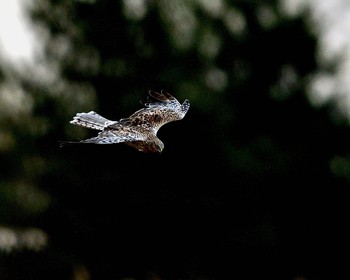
column 140, row 129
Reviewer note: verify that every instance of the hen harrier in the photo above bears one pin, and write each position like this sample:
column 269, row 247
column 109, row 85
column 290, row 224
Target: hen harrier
column 140, row 129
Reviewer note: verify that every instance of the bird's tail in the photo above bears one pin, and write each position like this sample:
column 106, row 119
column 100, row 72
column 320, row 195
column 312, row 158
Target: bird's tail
column 90, row 120
column 185, row 106
column 66, row 143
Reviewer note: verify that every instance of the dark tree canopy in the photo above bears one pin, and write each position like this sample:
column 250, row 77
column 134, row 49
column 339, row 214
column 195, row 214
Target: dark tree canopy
column 252, row 183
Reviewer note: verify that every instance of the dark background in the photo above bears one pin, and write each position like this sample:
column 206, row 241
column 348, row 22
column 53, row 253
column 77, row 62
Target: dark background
column 252, row 184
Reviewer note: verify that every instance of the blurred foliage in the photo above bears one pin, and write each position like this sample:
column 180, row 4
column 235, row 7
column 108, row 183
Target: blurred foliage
column 246, row 180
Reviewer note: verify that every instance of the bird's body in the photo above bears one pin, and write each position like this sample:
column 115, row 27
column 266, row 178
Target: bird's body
column 140, row 129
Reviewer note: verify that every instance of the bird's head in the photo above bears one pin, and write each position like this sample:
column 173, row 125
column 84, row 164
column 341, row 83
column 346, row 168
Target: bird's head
column 154, row 146
column 158, row 146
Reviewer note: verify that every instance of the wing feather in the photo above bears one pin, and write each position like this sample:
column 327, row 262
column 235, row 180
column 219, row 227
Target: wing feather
column 160, row 108
column 113, row 136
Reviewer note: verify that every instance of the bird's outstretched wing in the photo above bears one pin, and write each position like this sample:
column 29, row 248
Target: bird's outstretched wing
column 160, row 108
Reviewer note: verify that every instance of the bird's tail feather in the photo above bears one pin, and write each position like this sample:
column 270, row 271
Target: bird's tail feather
column 67, row 143
column 90, row 120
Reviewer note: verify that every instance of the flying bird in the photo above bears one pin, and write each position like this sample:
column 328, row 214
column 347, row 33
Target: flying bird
column 140, row 129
